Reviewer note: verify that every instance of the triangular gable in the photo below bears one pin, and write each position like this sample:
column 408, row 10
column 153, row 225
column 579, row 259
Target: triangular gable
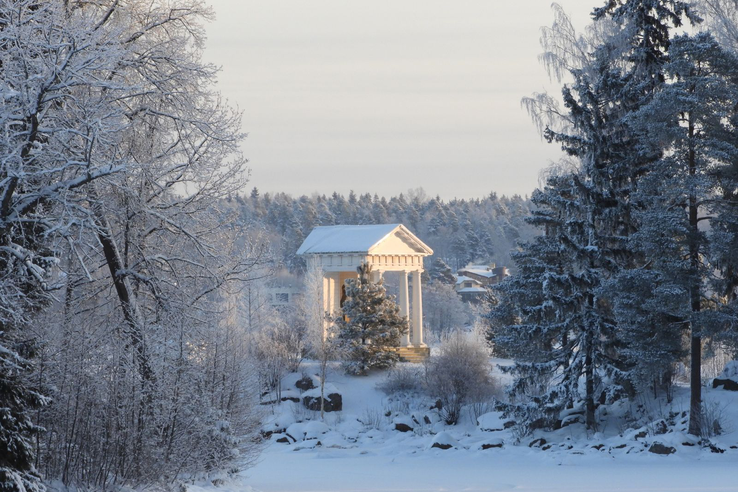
column 400, row 242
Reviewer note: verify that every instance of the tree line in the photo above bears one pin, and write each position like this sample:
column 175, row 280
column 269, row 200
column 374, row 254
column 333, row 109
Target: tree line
column 459, row 231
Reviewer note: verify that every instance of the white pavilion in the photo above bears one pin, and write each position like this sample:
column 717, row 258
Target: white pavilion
column 389, row 248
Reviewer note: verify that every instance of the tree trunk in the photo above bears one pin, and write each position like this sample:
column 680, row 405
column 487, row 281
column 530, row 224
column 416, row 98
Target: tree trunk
column 131, row 314
column 695, row 379
column 589, row 399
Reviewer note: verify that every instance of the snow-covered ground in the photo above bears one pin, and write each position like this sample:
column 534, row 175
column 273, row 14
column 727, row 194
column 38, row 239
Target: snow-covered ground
column 359, row 449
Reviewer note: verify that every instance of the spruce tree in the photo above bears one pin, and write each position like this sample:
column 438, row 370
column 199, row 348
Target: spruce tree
column 18, row 398
column 550, row 318
column 371, row 326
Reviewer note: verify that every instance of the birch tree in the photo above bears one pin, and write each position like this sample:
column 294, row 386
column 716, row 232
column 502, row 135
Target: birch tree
column 115, row 154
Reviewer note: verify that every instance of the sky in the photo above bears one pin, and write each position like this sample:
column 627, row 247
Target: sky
column 385, row 96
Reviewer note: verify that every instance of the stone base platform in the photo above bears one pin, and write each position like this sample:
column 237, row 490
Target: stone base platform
column 413, row 354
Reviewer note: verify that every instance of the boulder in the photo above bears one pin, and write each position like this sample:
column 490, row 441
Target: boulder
column 493, row 443
column 333, row 400
column 404, row 424
column 658, row 448
column 305, row 383
column 537, row 443
column 728, row 379
column 443, row 440
column 727, row 384
column 403, row 427
column 441, row 445
column 315, row 429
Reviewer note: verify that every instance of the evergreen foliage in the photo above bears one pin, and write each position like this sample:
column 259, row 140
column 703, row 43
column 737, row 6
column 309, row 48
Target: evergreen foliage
column 441, row 272
column 625, row 269
column 550, row 317
column 371, row 325
column 459, row 231
column 18, row 398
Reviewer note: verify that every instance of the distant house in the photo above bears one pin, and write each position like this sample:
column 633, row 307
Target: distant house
column 470, row 289
column 472, row 281
column 485, row 274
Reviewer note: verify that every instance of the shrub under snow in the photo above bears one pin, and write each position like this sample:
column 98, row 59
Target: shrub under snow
column 460, row 375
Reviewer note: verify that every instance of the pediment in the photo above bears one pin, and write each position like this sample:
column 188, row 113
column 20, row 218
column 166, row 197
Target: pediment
column 400, row 242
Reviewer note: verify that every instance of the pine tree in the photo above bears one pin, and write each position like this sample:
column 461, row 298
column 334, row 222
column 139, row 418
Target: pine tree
column 693, row 119
column 371, row 325
column 441, row 272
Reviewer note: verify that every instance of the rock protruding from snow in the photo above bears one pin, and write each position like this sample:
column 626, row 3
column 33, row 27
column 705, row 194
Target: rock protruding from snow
column 443, row 440
column 307, row 382
column 404, row 424
column 728, row 379
column 305, row 431
column 333, row 399
column 492, row 443
column 537, row 443
column 658, row 448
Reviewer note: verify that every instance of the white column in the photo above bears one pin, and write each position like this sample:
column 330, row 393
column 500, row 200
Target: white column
column 325, row 298
column 417, row 321
column 404, row 306
column 336, row 293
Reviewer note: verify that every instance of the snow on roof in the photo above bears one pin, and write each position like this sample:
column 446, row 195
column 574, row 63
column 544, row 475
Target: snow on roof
column 352, row 238
column 480, row 270
column 472, row 289
column 460, row 279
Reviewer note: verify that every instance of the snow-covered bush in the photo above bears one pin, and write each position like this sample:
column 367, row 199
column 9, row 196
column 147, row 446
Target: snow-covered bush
column 443, row 309
column 459, row 375
column 277, row 348
column 372, row 418
column 713, row 420
column 402, row 380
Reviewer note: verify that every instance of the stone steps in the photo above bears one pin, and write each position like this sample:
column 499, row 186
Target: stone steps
column 413, row 354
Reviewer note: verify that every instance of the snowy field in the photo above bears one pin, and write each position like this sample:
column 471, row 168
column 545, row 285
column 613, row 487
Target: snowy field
column 359, row 449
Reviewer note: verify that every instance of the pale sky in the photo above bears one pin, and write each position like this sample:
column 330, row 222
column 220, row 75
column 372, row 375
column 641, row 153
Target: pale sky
column 383, row 96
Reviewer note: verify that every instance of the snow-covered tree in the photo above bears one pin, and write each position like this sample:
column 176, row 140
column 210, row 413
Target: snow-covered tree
column 370, row 327
column 441, row 272
column 693, row 120
column 116, row 159
column 443, row 309
column 18, row 399
column 460, row 374
column 550, row 317
column 322, row 342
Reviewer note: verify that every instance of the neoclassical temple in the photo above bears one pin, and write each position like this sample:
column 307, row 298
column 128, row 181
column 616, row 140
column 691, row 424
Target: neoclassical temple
column 390, row 249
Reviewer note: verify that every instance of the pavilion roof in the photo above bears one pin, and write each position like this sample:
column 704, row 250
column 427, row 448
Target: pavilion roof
column 357, row 239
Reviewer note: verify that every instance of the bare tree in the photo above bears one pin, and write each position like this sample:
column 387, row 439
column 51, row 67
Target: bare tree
column 321, row 334
column 117, row 156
